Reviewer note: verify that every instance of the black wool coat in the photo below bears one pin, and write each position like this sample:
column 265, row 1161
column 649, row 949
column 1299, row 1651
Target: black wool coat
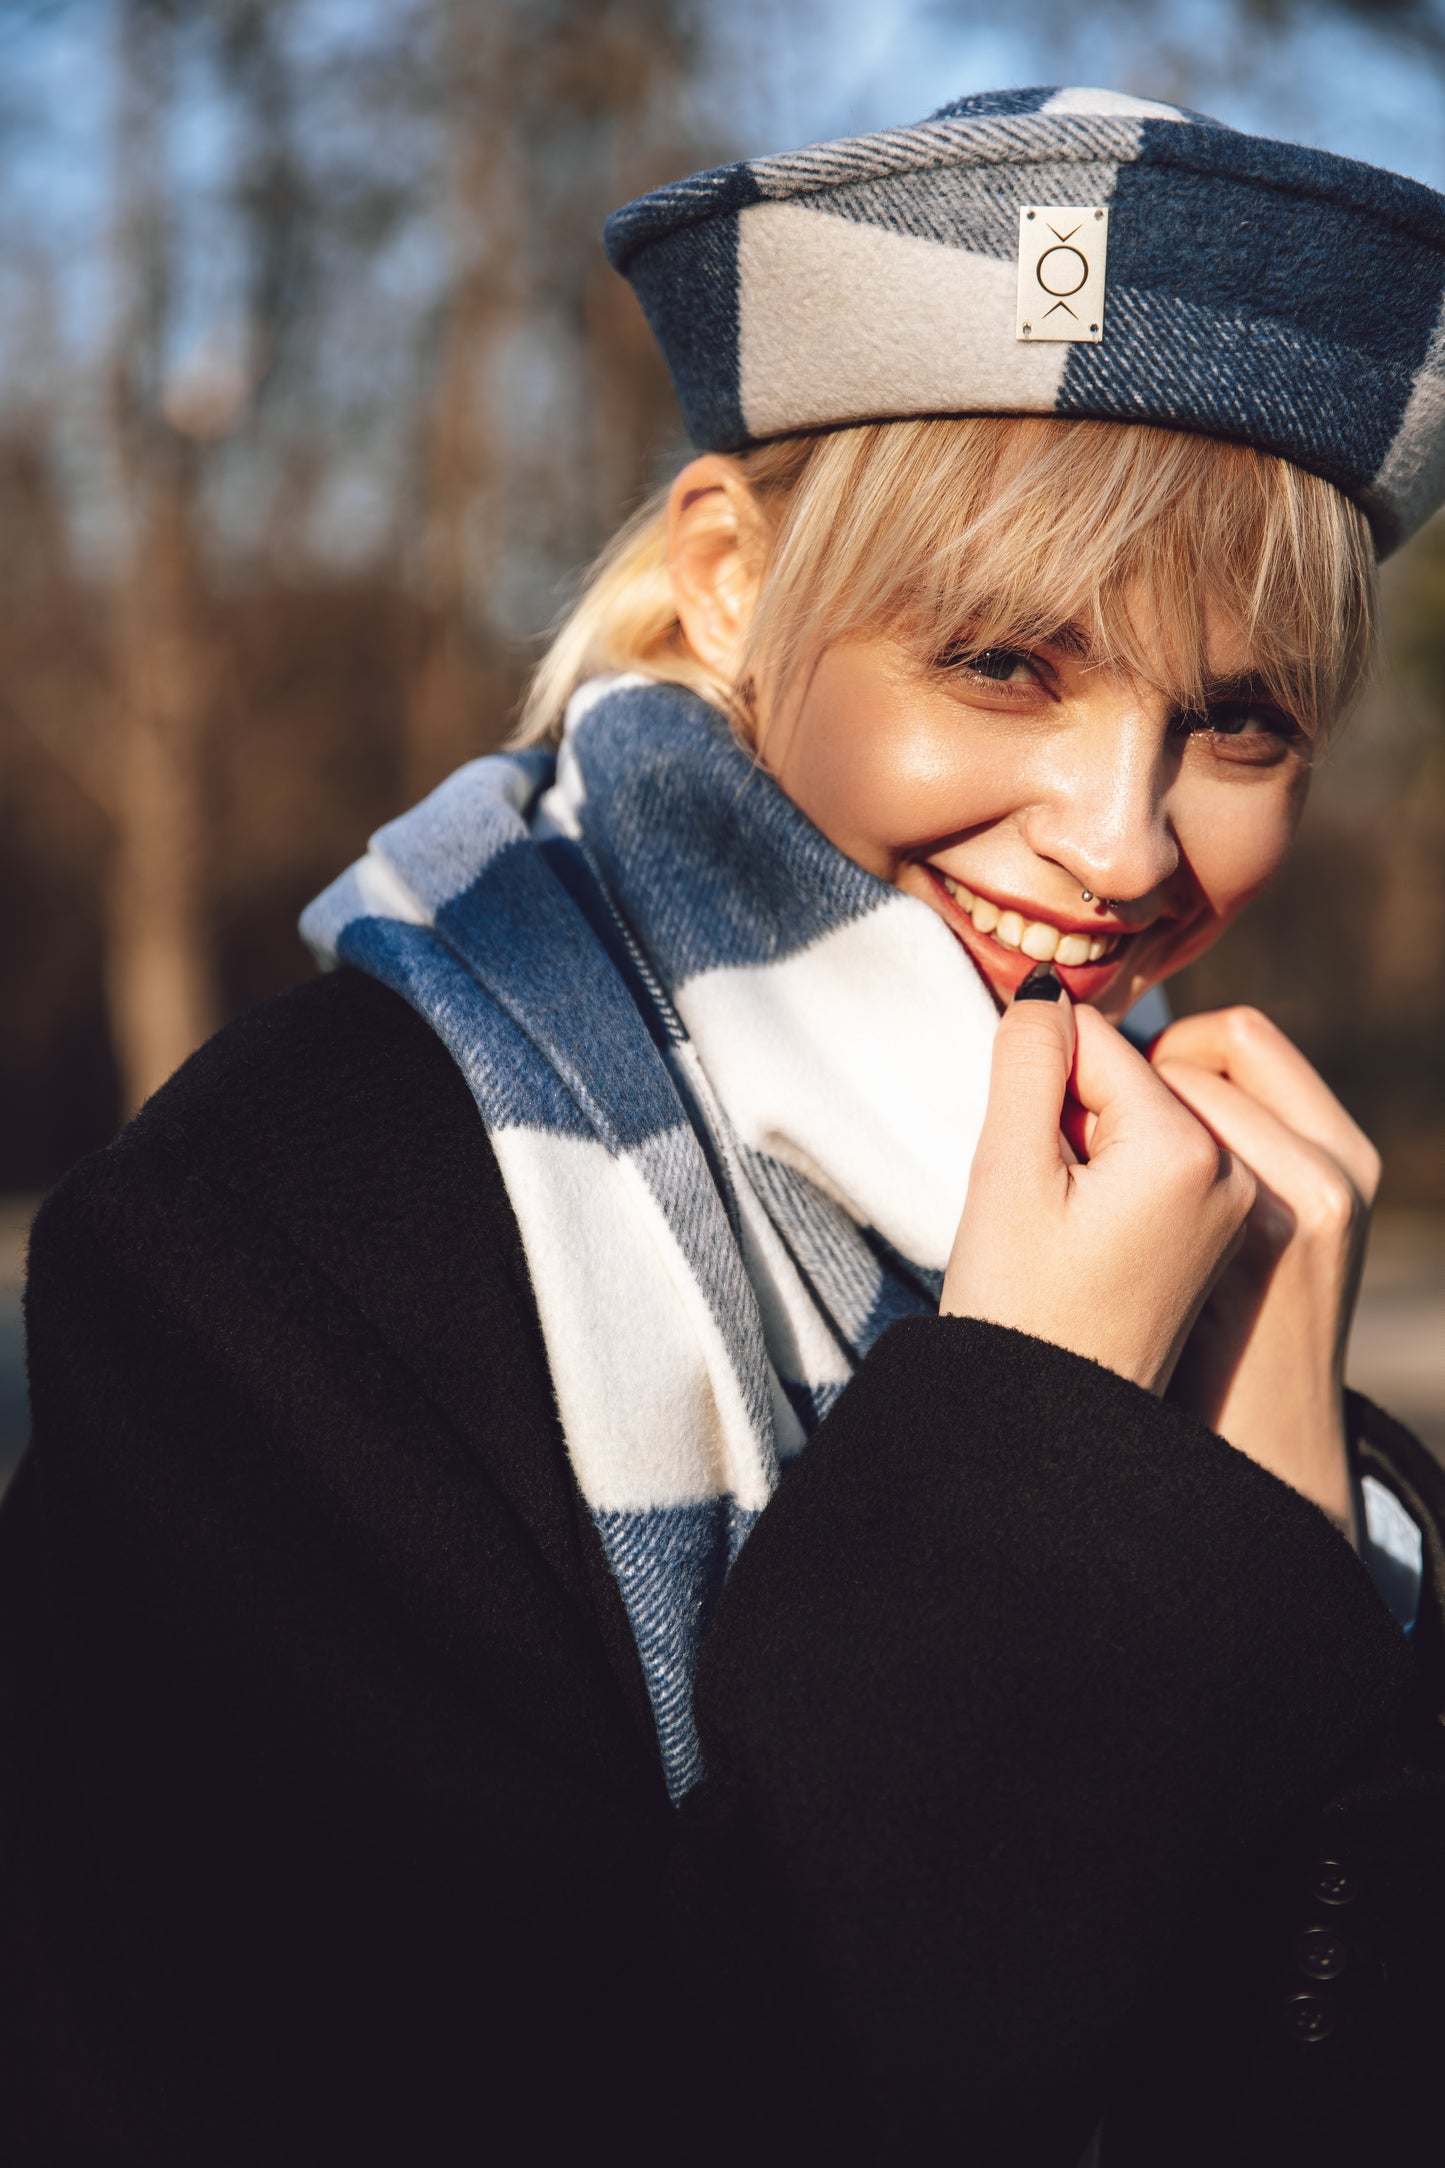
column 1060, row 1759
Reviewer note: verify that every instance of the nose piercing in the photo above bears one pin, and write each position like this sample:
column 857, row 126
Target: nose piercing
column 1110, row 903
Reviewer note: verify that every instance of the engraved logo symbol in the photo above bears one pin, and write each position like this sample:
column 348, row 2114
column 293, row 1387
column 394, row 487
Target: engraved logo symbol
column 1062, row 250
column 1061, row 271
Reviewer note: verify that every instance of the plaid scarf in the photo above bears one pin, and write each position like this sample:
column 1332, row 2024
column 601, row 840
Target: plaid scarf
column 733, row 1083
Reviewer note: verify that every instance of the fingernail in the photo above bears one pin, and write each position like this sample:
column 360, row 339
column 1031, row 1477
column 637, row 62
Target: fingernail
column 1042, row 984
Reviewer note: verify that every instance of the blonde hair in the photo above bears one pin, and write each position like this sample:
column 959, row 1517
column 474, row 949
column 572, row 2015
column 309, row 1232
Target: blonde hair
column 995, row 531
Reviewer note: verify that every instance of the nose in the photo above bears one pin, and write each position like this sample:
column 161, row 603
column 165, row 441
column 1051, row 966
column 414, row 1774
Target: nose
column 1103, row 811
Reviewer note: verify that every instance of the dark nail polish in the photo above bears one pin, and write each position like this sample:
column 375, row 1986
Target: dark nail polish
column 1042, row 984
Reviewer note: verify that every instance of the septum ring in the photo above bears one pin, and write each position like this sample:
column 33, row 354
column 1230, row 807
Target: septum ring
column 1110, row 903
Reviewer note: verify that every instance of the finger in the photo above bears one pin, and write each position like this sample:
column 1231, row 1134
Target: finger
column 1243, row 1045
column 1117, row 1088
column 1078, row 1126
column 1033, row 1053
column 1139, row 1122
column 1312, row 1182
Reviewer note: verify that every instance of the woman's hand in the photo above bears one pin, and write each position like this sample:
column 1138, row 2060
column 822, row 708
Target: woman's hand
column 1113, row 1258
column 1264, row 1365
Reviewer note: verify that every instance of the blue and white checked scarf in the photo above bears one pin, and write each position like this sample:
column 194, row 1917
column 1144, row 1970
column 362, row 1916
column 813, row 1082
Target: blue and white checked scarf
column 733, row 1083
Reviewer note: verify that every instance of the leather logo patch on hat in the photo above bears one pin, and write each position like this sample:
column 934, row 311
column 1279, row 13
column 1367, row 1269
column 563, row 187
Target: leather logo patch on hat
column 1063, row 249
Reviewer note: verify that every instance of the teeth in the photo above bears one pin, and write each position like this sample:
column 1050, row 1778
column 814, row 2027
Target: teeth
column 1035, row 936
column 1041, row 941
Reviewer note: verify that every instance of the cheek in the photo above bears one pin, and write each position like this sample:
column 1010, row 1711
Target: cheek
column 882, row 785
column 1236, row 835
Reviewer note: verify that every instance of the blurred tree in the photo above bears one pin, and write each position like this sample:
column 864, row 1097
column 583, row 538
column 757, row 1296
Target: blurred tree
column 56, row 1074
column 1421, row 22
column 547, row 391
column 1416, row 635
column 1162, row 51
column 159, row 983
column 369, row 391
column 172, row 407
column 483, row 64
column 296, row 462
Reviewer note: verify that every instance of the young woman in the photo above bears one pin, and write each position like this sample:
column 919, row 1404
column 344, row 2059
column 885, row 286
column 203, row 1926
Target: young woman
column 731, row 1530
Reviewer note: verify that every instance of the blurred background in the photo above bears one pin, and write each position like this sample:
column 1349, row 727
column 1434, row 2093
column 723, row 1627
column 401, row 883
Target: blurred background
column 316, row 391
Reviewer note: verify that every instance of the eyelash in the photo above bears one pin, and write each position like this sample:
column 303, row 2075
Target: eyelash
column 1278, row 725
column 968, row 663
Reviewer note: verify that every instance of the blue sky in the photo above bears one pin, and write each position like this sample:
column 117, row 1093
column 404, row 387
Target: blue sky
column 800, row 69
column 806, row 68
column 787, row 71
column 850, row 65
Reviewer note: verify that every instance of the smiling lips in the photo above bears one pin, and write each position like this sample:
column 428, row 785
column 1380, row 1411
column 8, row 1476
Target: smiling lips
column 1035, row 937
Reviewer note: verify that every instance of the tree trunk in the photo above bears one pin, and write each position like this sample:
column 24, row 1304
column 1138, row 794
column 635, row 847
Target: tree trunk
column 159, row 983
column 452, row 679
column 159, row 980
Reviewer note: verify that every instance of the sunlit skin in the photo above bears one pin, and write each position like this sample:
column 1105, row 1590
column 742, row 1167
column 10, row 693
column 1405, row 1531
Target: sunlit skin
column 1030, row 775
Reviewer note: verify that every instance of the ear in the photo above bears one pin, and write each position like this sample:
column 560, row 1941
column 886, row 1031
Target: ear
column 716, row 548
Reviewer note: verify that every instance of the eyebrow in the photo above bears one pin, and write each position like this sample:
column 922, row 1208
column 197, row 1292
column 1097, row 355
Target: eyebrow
column 1071, row 639
column 1235, row 689
column 1245, row 688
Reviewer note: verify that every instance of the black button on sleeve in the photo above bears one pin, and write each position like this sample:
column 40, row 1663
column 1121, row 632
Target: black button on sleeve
column 1334, row 1884
column 1308, row 2017
column 1319, row 1954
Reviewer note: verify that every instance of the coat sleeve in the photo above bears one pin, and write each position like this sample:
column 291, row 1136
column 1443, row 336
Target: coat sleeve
column 329, row 1837
column 1013, row 1670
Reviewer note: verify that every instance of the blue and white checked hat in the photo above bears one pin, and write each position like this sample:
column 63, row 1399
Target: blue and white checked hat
column 1072, row 252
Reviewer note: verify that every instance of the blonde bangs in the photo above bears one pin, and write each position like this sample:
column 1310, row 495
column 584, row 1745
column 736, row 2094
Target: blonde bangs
column 990, row 531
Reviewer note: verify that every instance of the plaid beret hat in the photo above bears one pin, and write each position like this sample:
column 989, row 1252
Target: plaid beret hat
column 1070, row 252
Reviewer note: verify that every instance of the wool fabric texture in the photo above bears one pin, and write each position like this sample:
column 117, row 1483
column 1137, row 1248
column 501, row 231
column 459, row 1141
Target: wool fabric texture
column 1256, row 290
column 331, row 1820
column 733, row 1083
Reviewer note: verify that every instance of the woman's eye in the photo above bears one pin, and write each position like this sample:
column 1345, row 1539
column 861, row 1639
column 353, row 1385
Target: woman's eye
column 1000, row 665
column 1263, row 729
column 1239, row 722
